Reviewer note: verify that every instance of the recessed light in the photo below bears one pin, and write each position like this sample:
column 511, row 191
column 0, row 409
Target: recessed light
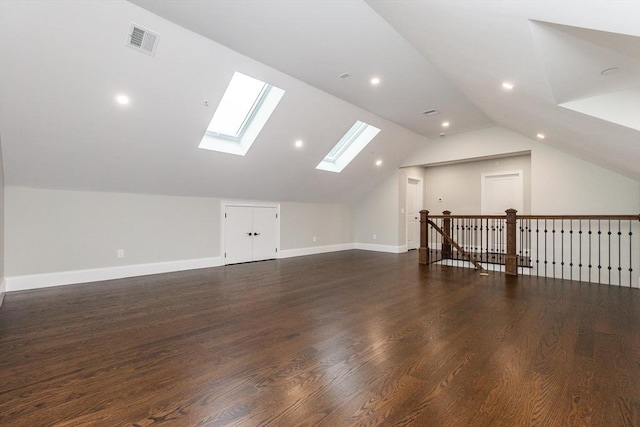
column 375, row 81
column 122, row 99
column 378, row 162
column 298, row 143
column 445, row 124
column 540, row 136
column 610, row 71
column 507, row 85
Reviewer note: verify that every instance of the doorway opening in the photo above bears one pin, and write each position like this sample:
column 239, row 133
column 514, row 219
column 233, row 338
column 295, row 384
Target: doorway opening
column 413, row 207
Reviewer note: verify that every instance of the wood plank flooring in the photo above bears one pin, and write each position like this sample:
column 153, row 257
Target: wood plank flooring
column 349, row 338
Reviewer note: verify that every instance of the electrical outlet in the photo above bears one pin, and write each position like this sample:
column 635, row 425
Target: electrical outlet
column 120, row 253
column 314, row 238
column 375, row 237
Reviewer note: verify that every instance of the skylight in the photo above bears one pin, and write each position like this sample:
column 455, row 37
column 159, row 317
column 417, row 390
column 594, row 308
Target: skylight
column 243, row 111
column 241, row 99
column 348, row 147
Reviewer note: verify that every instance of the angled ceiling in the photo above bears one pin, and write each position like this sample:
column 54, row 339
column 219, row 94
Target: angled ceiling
column 554, row 53
column 453, row 56
column 316, row 41
column 61, row 128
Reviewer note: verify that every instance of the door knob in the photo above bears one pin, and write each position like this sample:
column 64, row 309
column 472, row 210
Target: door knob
column 250, row 234
column 256, row 234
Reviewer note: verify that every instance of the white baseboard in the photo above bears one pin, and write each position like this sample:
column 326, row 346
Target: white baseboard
column 382, row 248
column 313, row 250
column 33, row 281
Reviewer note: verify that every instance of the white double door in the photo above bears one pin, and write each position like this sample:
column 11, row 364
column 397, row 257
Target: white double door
column 251, row 233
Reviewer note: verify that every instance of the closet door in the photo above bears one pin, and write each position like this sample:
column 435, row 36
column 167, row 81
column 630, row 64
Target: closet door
column 251, row 233
column 264, row 233
column 238, row 240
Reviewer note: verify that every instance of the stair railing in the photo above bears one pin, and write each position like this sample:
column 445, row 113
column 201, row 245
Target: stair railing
column 589, row 248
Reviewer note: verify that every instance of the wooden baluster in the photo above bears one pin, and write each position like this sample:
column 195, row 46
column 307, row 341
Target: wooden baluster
column 511, row 258
column 446, row 229
column 423, row 251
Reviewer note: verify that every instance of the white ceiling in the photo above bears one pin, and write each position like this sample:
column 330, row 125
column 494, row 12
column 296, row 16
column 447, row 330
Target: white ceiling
column 316, row 41
column 553, row 51
column 60, row 127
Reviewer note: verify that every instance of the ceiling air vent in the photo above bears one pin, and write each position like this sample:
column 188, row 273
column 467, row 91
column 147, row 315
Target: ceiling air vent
column 141, row 39
column 430, row 112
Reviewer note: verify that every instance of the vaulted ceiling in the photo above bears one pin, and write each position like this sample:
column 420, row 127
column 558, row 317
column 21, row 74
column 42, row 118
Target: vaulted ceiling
column 63, row 62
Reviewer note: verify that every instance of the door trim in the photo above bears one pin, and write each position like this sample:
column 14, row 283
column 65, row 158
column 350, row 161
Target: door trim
column 419, row 206
column 248, row 204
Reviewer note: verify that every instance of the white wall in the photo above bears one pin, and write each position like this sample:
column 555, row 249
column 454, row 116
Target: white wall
column 459, row 184
column 55, row 230
column 330, row 224
column 560, row 183
column 59, row 237
column 563, row 184
column 382, row 212
column 2, row 280
column 378, row 214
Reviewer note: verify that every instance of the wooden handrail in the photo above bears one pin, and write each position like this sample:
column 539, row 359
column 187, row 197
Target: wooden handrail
column 585, row 217
column 568, row 217
column 468, row 216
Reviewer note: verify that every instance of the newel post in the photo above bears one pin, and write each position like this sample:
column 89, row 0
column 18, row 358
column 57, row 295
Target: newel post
column 446, row 229
column 511, row 259
column 423, row 251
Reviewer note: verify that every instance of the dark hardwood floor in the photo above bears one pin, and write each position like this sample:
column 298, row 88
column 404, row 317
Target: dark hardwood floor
column 349, row 338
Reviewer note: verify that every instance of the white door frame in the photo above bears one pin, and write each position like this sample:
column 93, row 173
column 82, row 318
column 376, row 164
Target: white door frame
column 419, row 206
column 248, row 204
